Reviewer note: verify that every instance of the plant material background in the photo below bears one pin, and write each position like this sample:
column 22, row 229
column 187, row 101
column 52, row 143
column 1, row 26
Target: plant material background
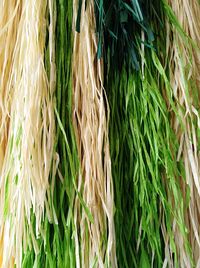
column 99, row 133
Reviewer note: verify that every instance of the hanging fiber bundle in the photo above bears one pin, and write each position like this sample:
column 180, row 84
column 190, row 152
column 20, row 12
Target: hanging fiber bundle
column 183, row 53
column 144, row 169
column 99, row 133
column 27, row 126
column 96, row 233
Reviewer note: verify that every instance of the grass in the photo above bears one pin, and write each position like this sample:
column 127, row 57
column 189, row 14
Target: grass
column 147, row 178
column 56, row 241
column 99, row 133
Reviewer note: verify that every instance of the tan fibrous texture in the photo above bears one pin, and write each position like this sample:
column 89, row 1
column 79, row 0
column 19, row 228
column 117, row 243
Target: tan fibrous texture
column 10, row 12
column 26, row 125
column 91, row 114
column 184, row 56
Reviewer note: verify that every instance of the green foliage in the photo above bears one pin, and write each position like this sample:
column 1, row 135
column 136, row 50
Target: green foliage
column 119, row 25
column 56, row 243
column 143, row 145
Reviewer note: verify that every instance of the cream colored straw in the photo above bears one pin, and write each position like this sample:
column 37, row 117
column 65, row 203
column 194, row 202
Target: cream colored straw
column 95, row 242
column 26, row 125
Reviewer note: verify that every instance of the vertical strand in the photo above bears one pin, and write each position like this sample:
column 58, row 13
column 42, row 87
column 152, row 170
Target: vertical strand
column 28, row 154
column 95, row 238
column 184, row 66
column 143, row 145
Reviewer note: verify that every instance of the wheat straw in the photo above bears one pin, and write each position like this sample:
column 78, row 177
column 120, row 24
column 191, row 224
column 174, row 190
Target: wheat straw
column 26, row 103
column 184, row 75
column 97, row 239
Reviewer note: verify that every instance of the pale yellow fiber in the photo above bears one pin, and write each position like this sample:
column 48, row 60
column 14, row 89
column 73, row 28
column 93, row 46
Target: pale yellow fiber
column 95, row 242
column 26, row 124
column 185, row 80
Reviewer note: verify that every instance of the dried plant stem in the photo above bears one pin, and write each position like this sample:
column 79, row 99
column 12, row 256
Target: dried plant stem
column 95, row 240
column 184, row 69
column 26, row 105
